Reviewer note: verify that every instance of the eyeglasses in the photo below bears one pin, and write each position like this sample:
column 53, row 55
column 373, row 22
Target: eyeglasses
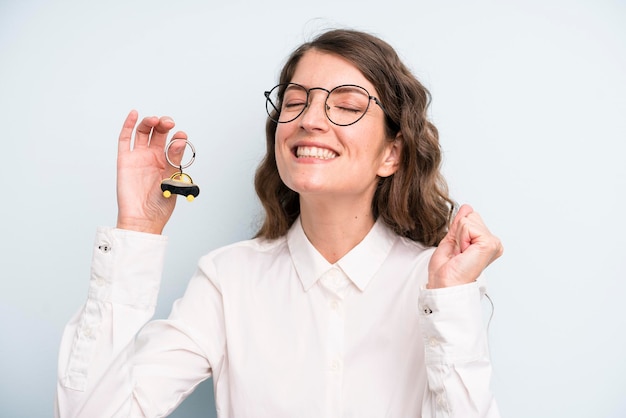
column 344, row 105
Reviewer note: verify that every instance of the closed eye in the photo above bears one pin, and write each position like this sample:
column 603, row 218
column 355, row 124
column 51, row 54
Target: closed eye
column 348, row 109
column 294, row 105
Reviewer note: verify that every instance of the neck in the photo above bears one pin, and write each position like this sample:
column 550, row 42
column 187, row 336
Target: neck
column 334, row 228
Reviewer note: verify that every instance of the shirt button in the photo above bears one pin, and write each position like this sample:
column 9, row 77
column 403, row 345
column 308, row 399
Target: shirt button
column 334, row 366
column 433, row 342
column 87, row 332
column 440, row 400
column 104, row 247
column 334, row 305
column 99, row 281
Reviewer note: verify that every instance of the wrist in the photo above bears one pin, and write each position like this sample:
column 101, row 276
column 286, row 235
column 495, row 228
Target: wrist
column 435, row 282
column 139, row 225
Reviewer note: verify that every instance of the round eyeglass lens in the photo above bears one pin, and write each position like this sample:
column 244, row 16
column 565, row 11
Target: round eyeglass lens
column 286, row 102
column 347, row 104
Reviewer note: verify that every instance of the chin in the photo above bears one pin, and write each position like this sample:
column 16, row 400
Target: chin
column 311, row 186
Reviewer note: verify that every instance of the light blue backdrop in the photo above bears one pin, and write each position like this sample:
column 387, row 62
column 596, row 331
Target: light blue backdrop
column 529, row 97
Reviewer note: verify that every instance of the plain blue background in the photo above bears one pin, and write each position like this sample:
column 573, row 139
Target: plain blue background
column 529, row 97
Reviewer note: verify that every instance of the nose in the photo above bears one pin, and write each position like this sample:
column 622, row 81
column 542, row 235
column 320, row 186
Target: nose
column 314, row 115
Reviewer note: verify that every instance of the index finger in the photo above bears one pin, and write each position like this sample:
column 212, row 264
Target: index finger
column 464, row 210
column 126, row 134
column 462, row 242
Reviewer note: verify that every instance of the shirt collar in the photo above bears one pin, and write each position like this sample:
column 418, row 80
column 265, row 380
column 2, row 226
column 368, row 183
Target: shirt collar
column 360, row 264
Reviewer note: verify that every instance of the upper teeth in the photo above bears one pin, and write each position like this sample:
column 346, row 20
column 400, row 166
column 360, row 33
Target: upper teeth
column 315, row 152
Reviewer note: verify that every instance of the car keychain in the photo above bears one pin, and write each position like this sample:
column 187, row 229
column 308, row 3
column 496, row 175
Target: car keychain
column 179, row 182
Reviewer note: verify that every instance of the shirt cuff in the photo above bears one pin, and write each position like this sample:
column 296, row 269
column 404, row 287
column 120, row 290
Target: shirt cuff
column 452, row 323
column 126, row 267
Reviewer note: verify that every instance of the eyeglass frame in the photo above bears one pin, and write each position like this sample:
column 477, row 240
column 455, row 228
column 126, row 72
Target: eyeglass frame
column 326, row 107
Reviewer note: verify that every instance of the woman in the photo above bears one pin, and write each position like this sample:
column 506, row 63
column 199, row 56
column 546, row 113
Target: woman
column 355, row 299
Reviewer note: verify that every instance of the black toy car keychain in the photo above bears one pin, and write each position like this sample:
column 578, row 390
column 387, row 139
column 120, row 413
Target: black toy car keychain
column 179, row 182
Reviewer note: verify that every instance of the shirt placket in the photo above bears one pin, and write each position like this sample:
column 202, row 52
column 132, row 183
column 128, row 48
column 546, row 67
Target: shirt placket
column 335, row 285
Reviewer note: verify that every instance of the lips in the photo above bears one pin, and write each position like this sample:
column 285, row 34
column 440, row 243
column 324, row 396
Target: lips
column 315, row 152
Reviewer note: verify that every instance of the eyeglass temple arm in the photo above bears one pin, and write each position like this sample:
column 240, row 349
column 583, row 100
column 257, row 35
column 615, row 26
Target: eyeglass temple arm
column 396, row 126
column 267, row 96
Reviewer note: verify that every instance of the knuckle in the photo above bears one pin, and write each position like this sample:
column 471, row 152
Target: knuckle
column 498, row 249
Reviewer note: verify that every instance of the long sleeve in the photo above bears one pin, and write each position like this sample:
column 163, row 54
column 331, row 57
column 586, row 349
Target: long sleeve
column 457, row 360
column 101, row 353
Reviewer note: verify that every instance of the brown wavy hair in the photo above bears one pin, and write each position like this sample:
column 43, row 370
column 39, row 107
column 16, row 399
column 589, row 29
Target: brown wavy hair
column 414, row 201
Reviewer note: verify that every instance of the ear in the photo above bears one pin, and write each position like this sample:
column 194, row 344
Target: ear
column 391, row 158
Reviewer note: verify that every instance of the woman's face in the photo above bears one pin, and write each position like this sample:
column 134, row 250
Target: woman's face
column 318, row 158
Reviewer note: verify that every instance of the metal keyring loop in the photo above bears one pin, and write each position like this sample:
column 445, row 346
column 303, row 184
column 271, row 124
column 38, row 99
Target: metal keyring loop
column 167, row 157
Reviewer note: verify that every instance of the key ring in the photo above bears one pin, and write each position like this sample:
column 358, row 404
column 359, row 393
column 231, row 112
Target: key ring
column 167, row 156
column 179, row 182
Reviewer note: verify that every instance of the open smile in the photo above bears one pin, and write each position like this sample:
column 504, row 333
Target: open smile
column 315, row 152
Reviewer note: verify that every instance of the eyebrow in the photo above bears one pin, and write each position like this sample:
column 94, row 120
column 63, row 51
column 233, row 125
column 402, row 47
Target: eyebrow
column 290, row 86
column 351, row 88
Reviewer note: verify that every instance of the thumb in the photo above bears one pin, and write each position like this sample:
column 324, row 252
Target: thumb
column 175, row 150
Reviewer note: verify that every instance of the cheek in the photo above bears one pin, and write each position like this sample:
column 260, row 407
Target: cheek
column 283, row 130
column 371, row 144
column 281, row 150
column 279, row 155
column 280, row 139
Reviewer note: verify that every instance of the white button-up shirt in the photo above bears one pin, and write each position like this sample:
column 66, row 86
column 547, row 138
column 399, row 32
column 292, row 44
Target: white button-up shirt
column 282, row 332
